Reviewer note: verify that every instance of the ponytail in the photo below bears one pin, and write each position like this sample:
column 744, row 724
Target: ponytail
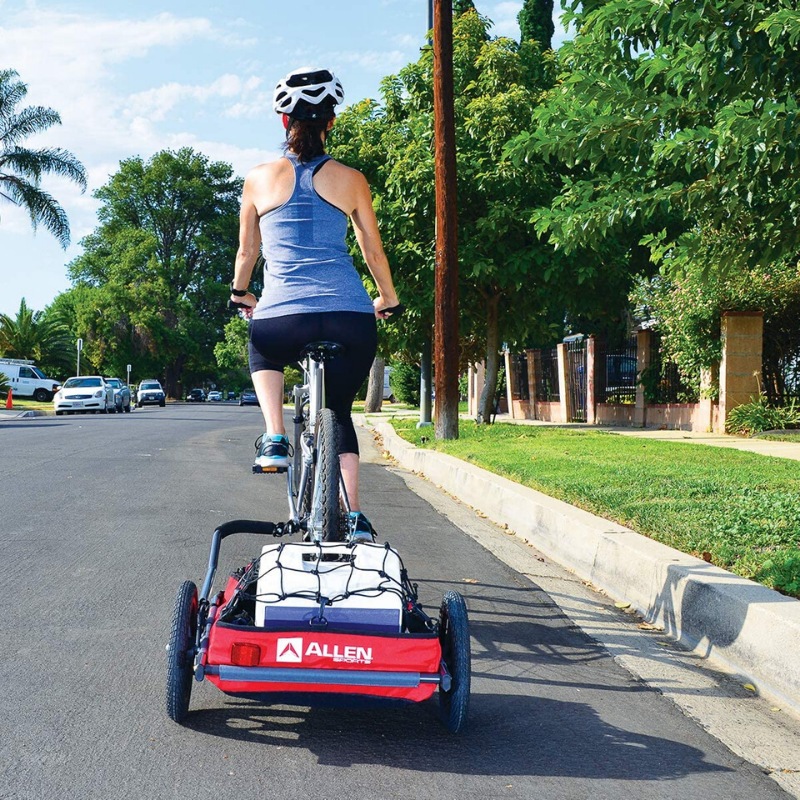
column 304, row 137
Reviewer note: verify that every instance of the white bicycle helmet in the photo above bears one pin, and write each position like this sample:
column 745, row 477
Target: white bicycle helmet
column 308, row 93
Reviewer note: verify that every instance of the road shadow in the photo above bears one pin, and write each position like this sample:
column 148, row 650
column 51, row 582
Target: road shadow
column 23, row 423
column 508, row 734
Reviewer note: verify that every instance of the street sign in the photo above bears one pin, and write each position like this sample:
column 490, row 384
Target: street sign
column 80, row 345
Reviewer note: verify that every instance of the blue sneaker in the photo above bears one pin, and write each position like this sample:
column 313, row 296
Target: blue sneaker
column 361, row 529
column 272, row 451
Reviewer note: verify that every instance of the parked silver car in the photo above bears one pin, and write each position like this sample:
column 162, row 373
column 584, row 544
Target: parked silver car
column 122, row 395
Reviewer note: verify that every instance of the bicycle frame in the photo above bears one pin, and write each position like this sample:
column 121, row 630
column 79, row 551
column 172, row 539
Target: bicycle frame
column 311, row 395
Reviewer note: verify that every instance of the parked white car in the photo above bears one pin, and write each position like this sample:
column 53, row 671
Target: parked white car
column 85, row 393
column 215, row 396
column 150, row 391
column 27, row 380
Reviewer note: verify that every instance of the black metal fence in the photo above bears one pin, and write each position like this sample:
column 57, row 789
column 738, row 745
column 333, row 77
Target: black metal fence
column 781, row 366
column 616, row 373
column 576, row 368
column 662, row 381
column 547, row 376
column 519, row 366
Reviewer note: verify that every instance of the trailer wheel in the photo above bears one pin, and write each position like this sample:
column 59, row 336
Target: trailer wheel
column 454, row 639
column 180, row 652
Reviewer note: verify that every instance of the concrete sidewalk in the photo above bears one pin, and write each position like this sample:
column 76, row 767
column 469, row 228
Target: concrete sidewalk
column 763, row 447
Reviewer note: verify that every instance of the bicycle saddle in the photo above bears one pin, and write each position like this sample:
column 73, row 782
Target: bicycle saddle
column 321, row 351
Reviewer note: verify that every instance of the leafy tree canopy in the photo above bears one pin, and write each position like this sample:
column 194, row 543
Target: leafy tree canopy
column 498, row 83
column 153, row 276
column 536, row 22
column 680, row 121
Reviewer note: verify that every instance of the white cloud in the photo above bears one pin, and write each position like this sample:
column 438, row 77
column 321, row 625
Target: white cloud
column 373, row 60
column 407, row 40
column 155, row 103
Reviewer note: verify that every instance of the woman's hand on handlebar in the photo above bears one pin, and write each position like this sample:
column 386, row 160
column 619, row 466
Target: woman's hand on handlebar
column 386, row 307
column 245, row 304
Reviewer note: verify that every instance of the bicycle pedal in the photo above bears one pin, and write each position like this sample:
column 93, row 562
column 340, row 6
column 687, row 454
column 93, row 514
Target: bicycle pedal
column 268, row 470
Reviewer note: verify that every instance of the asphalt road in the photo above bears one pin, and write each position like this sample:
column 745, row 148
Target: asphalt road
column 104, row 517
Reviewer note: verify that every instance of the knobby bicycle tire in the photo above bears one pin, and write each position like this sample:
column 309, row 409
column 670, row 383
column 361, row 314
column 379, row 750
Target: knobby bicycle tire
column 456, row 654
column 328, row 471
column 179, row 657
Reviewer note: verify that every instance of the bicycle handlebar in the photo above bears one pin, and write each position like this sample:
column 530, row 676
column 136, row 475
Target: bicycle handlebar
column 395, row 311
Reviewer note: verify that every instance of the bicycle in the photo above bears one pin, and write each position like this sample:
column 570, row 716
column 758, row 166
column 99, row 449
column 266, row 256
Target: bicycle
column 317, row 497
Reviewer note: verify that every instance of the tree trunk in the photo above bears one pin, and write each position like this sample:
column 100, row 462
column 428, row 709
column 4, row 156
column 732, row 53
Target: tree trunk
column 172, row 378
column 486, row 403
column 372, row 404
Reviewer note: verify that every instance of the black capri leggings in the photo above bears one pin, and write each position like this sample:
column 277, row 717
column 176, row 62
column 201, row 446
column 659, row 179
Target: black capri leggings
column 277, row 343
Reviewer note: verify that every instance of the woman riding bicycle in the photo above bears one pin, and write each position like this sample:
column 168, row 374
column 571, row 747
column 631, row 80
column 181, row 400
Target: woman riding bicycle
column 297, row 209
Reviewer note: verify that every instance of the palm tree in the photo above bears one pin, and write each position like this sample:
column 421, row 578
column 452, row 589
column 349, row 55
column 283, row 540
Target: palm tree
column 21, row 168
column 39, row 336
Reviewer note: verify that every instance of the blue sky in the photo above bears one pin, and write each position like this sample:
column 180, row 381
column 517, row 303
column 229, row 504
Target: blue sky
column 133, row 78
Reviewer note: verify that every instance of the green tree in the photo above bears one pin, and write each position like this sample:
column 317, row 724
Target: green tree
column 43, row 338
column 231, row 352
column 505, row 267
column 22, row 168
column 462, row 6
column 154, row 274
column 680, row 122
column 536, row 22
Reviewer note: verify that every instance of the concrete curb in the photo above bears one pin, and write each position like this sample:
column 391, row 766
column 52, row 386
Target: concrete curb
column 741, row 624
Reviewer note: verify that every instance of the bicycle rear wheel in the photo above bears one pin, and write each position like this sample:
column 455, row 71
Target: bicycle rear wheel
column 327, row 511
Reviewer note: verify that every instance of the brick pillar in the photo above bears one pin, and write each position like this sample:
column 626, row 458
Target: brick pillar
column 643, row 342
column 531, row 359
column 706, row 410
column 563, row 382
column 512, row 390
column 591, row 366
column 740, row 368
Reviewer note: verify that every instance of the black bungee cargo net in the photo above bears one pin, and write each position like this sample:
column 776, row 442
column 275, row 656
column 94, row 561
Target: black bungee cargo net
column 321, row 556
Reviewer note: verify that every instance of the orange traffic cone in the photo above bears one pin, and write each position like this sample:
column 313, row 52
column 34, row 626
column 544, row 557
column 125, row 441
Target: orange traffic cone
column 9, row 401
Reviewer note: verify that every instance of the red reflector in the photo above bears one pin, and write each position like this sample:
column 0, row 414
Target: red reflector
column 245, row 655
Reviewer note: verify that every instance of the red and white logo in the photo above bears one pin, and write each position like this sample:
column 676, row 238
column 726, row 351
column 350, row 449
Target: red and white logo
column 290, row 650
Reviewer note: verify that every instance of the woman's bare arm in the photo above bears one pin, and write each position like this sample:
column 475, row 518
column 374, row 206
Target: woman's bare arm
column 249, row 243
column 365, row 225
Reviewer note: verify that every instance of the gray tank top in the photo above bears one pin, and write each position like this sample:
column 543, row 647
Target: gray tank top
column 308, row 268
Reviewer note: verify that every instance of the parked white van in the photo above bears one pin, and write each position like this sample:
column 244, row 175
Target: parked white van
column 27, row 380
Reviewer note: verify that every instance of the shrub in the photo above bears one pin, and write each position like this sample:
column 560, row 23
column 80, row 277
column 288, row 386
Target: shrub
column 4, row 386
column 404, row 382
column 761, row 416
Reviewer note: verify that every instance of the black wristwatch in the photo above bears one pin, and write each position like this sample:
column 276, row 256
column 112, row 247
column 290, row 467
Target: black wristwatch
column 238, row 292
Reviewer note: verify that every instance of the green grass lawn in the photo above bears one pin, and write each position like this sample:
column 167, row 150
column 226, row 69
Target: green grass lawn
column 787, row 436
column 741, row 508
column 23, row 404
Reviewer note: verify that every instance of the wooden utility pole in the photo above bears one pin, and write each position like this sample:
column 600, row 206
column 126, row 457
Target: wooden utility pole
column 446, row 298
